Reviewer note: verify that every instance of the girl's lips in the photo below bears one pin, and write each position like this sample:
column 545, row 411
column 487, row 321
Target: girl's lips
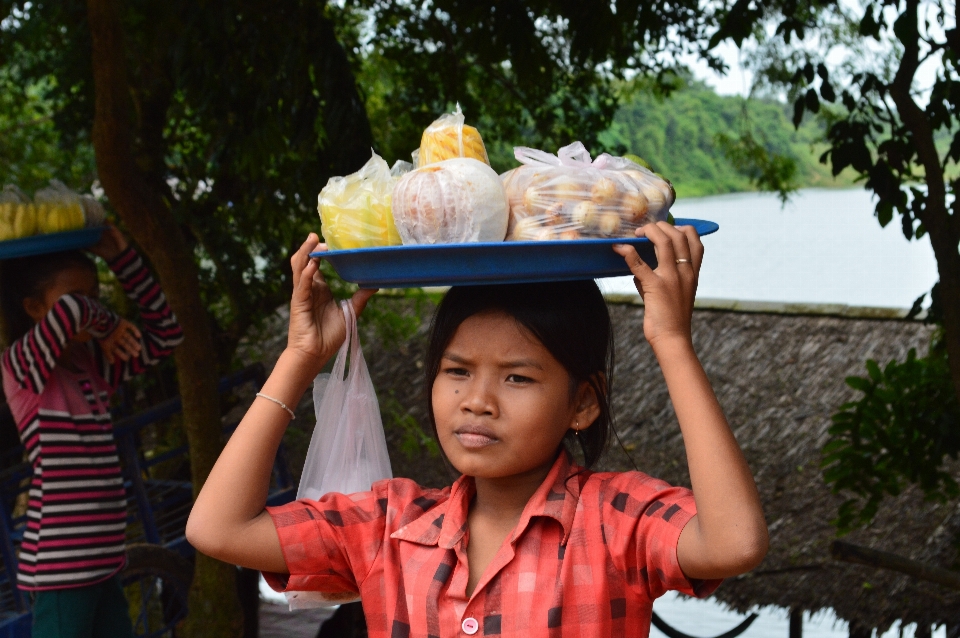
column 475, row 436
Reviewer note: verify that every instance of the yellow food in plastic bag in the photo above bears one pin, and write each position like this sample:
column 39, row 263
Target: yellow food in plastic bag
column 58, row 218
column 449, row 137
column 55, row 209
column 355, row 211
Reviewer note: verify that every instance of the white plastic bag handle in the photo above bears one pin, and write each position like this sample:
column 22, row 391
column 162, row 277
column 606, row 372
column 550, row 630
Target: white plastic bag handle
column 575, row 155
column 348, row 449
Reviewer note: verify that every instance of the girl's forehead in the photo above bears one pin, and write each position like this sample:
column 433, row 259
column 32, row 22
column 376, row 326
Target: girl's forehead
column 494, row 330
column 74, row 279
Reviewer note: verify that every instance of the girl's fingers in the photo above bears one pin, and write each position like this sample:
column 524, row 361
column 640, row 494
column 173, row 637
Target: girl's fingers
column 641, row 271
column 663, row 244
column 696, row 246
column 305, row 280
column 686, row 268
column 636, row 265
column 301, row 258
column 132, row 346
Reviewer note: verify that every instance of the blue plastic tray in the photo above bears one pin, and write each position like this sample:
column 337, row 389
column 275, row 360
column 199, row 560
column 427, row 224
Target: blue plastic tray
column 50, row 243
column 491, row 263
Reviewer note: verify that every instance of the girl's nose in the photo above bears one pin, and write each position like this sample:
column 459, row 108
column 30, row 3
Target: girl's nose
column 480, row 400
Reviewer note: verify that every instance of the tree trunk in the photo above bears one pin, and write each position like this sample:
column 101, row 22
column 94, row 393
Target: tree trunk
column 214, row 609
column 943, row 231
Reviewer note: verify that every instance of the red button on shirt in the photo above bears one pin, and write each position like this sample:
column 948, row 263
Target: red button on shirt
column 590, row 554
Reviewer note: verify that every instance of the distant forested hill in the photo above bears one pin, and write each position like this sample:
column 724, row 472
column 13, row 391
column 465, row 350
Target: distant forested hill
column 677, row 136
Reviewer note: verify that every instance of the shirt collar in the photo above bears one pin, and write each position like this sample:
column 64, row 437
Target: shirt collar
column 446, row 523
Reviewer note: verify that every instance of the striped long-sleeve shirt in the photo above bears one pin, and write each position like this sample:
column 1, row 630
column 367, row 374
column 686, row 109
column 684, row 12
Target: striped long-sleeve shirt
column 76, row 516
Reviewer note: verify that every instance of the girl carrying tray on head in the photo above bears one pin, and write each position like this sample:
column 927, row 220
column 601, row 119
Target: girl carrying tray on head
column 67, row 355
column 525, row 542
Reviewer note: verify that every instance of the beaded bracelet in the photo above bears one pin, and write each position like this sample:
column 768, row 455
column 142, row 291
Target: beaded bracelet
column 278, row 402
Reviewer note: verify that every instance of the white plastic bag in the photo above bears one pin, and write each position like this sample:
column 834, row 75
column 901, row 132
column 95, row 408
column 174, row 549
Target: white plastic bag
column 570, row 196
column 348, row 450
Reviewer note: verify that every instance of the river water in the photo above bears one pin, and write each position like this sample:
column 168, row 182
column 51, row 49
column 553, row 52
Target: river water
column 824, row 247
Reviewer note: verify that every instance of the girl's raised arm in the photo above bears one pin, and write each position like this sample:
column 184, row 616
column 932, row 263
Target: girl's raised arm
column 728, row 536
column 161, row 333
column 228, row 520
column 32, row 358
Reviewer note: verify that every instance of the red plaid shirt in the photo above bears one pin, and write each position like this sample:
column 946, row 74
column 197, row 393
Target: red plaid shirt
column 589, row 556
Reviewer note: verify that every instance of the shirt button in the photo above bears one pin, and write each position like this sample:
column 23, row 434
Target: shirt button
column 470, row 626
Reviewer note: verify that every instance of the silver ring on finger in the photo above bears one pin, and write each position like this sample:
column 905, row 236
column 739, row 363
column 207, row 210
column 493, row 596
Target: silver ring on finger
column 684, row 261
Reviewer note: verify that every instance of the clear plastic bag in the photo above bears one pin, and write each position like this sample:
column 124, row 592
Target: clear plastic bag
column 54, row 209
column 568, row 196
column 355, row 210
column 449, row 137
column 348, row 450
column 58, row 209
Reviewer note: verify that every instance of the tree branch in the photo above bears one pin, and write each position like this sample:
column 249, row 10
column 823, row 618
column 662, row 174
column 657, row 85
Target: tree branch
column 912, row 115
column 850, row 553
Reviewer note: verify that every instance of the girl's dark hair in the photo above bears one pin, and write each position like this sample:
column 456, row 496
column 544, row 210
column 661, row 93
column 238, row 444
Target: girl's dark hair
column 569, row 318
column 29, row 277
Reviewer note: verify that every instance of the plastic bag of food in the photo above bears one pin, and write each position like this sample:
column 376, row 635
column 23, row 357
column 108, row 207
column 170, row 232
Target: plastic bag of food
column 568, row 196
column 13, row 206
column 355, row 210
column 58, row 209
column 454, row 201
column 348, row 449
column 92, row 211
column 448, row 137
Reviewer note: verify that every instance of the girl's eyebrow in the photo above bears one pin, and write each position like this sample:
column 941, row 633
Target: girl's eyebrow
column 518, row 363
column 521, row 363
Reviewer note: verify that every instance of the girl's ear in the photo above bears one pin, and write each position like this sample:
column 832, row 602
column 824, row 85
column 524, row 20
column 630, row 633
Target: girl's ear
column 587, row 407
column 35, row 308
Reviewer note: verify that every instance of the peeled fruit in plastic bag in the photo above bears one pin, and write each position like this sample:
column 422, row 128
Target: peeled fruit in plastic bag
column 55, row 209
column 17, row 220
column 570, row 196
column 448, row 137
column 58, row 209
column 355, row 211
column 455, row 201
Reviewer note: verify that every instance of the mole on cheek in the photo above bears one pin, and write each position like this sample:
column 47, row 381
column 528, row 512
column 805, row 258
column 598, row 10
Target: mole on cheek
column 456, row 391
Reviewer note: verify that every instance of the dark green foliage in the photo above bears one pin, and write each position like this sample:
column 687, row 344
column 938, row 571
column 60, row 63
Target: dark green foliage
column 31, row 152
column 411, row 438
column 856, row 69
column 688, row 138
column 767, row 170
column 900, row 431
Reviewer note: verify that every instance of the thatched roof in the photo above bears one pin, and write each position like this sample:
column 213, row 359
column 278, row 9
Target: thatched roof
column 779, row 378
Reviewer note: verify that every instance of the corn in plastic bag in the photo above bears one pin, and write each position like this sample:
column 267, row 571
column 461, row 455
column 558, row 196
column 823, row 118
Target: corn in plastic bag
column 355, row 211
column 449, row 137
column 568, row 196
column 54, row 209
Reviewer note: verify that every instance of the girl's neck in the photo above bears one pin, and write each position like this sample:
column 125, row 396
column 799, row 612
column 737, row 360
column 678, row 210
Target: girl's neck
column 507, row 496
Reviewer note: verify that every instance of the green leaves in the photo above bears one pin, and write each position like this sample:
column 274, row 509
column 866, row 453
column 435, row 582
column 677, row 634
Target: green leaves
column 766, row 169
column 899, row 432
column 31, row 148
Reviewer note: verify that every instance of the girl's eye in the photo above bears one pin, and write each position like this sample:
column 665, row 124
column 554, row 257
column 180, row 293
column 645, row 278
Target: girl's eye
column 456, row 372
column 518, row 378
